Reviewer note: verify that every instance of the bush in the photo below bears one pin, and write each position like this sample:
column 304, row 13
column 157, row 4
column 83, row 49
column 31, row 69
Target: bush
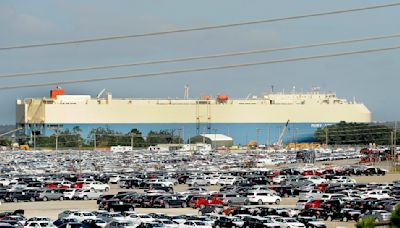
column 366, row 222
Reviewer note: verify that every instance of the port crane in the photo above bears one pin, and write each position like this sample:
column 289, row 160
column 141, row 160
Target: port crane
column 280, row 139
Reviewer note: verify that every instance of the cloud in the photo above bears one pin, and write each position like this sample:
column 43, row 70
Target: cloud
column 13, row 22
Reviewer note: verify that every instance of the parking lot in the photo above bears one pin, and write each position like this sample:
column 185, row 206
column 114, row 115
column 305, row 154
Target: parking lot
column 52, row 208
column 156, row 166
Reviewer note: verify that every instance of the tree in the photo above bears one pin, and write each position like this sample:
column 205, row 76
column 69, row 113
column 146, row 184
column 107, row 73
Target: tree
column 162, row 137
column 137, row 138
column 354, row 133
column 395, row 217
column 5, row 142
column 366, row 222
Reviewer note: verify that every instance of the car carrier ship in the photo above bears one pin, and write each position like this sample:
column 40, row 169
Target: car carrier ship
column 259, row 118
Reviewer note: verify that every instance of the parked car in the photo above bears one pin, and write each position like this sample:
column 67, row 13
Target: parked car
column 116, row 205
column 169, row 201
column 263, row 198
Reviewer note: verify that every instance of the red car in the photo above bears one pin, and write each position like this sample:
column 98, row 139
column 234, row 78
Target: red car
column 322, row 187
column 313, row 204
column 77, row 185
column 309, row 173
column 203, row 201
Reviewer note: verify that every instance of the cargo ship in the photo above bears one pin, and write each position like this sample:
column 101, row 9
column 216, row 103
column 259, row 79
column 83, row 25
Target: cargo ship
column 261, row 118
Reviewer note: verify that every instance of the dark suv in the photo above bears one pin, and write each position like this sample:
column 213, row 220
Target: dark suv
column 116, row 205
column 224, row 222
column 19, row 196
column 169, row 201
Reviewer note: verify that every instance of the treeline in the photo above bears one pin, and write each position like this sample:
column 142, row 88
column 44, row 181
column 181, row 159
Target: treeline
column 355, row 133
column 103, row 137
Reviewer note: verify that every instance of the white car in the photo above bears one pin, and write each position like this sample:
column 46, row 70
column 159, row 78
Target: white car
column 289, row 223
column 4, row 182
column 263, row 198
column 87, row 194
column 229, row 180
column 195, row 223
column 139, row 218
column 167, row 223
column 212, row 179
column 39, row 224
column 267, row 222
column 82, row 215
column 376, row 194
column 163, row 182
column 69, row 193
column 343, row 179
column 278, row 179
column 312, row 194
column 98, row 186
column 114, row 179
column 197, row 181
column 316, row 180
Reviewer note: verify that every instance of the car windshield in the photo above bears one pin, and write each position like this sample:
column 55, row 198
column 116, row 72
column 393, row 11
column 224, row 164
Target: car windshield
column 200, row 223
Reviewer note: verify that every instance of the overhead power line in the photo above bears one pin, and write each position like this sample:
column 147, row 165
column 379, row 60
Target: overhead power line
column 203, row 69
column 210, row 27
column 200, row 57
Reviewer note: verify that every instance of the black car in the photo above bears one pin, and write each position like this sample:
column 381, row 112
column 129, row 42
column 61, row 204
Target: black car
column 223, row 222
column 284, row 191
column 150, row 225
column 104, row 198
column 116, row 205
column 374, row 171
column 314, row 212
column 311, row 222
column 343, row 215
column 19, row 196
column 257, row 222
column 131, row 183
column 93, row 223
column 169, row 201
column 331, row 205
column 3, row 193
column 241, row 210
column 264, row 211
column 148, row 200
column 217, row 209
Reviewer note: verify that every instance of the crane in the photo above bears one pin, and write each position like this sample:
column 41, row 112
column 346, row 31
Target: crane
column 9, row 132
column 279, row 142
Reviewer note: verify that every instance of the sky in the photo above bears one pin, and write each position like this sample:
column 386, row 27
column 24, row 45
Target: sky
column 372, row 79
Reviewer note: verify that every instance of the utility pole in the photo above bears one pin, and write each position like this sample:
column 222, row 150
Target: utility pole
column 132, row 141
column 34, row 140
column 57, row 142
column 94, row 142
column 392, row 147
column 326, row 136
column 257, row 134
column 395, row 141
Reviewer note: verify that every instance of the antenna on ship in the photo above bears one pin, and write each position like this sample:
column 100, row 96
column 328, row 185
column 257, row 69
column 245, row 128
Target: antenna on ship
column 186, row 92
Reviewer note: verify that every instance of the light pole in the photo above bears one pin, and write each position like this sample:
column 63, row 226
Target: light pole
column 215, row 138
column 257, row 134
column 94, row 141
